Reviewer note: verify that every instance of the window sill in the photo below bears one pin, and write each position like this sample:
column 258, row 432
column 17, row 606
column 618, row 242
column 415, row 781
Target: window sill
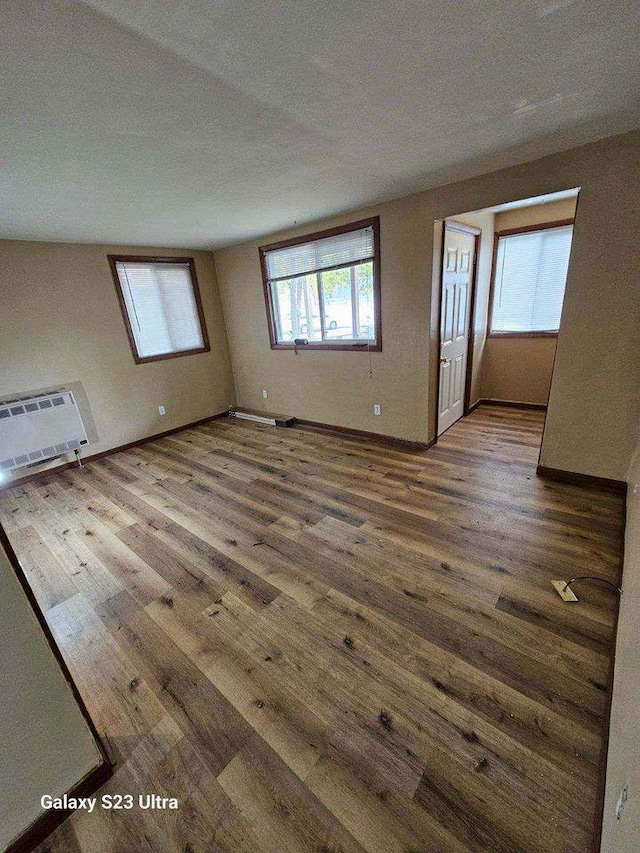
column 377, row 347
column 522, row 334
column 147, row 358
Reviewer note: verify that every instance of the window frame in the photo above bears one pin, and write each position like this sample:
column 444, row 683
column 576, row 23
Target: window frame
column 507, row 232
column 159, row 259
column 364, row 346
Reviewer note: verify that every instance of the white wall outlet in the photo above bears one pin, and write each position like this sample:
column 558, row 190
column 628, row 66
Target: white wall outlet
column 264, row 394
column 622, row 802
column 377, row 409
column 162, row 410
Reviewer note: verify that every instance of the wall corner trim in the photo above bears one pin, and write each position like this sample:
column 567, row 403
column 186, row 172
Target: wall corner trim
column 47, row 822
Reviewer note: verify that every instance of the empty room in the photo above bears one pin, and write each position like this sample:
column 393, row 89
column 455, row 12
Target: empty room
column 319, row 427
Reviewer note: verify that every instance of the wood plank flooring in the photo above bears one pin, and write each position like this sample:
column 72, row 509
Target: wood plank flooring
column 322, row 643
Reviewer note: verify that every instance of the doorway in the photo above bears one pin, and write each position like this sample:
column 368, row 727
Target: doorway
column 459, row 253
column 499, row 277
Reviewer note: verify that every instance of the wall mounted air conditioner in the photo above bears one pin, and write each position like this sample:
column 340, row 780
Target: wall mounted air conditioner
column 34, row 428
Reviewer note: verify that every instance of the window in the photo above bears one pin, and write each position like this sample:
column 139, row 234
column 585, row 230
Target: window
column 530, row 272
column 325, row 288
column 161, row 306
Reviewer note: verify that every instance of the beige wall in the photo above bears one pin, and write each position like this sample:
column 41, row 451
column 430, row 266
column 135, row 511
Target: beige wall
column 335, row 387
column 45, row 743
column 518, row 369
column 535, row 214
column 61, row 323
column 590, row 427
column 623, row 766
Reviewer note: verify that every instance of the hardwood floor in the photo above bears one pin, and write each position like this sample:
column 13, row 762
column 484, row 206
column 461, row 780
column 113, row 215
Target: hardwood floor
column 321, row 643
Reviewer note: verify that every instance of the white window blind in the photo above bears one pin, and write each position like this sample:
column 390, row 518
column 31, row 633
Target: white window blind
column 161, row 307
column 350, row 247
column 530, row 277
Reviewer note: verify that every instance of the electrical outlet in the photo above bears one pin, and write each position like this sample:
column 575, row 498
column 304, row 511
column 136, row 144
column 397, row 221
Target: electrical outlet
column 162, row 410
column 264, row 394
column 622, row 802
column 377, row 409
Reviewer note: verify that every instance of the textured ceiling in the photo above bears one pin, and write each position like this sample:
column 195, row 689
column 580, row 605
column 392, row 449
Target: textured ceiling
column 204, row 122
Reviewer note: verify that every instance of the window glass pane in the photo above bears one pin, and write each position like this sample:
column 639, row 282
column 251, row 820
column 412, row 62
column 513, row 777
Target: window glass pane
column 161, row 307
column 366, row 308
column 348, row 303
column 297, row 313
column 180, row 309
column 530, row 278
column 144, row 307
column 552, row 277
column 338, row 305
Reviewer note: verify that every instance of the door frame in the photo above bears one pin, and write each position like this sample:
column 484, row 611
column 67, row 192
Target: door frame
column 434, row 397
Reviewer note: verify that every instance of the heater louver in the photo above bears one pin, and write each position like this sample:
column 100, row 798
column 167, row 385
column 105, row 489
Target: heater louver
column 34, row 428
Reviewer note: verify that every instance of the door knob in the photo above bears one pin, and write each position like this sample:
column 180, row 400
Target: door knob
column 443, row 360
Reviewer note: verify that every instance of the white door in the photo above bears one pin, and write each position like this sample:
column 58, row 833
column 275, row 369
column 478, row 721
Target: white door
column 457, row 275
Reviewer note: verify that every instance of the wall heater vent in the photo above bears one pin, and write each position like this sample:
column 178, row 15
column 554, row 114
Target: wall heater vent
column 34, row 428
column 262, row 417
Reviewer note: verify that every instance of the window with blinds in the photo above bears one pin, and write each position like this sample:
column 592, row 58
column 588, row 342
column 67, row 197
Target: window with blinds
column 529, row 280
column 161, row 306
column 325, row 289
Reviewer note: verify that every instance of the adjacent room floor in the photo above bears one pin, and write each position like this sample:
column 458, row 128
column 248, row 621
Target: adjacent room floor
column 323, row 643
